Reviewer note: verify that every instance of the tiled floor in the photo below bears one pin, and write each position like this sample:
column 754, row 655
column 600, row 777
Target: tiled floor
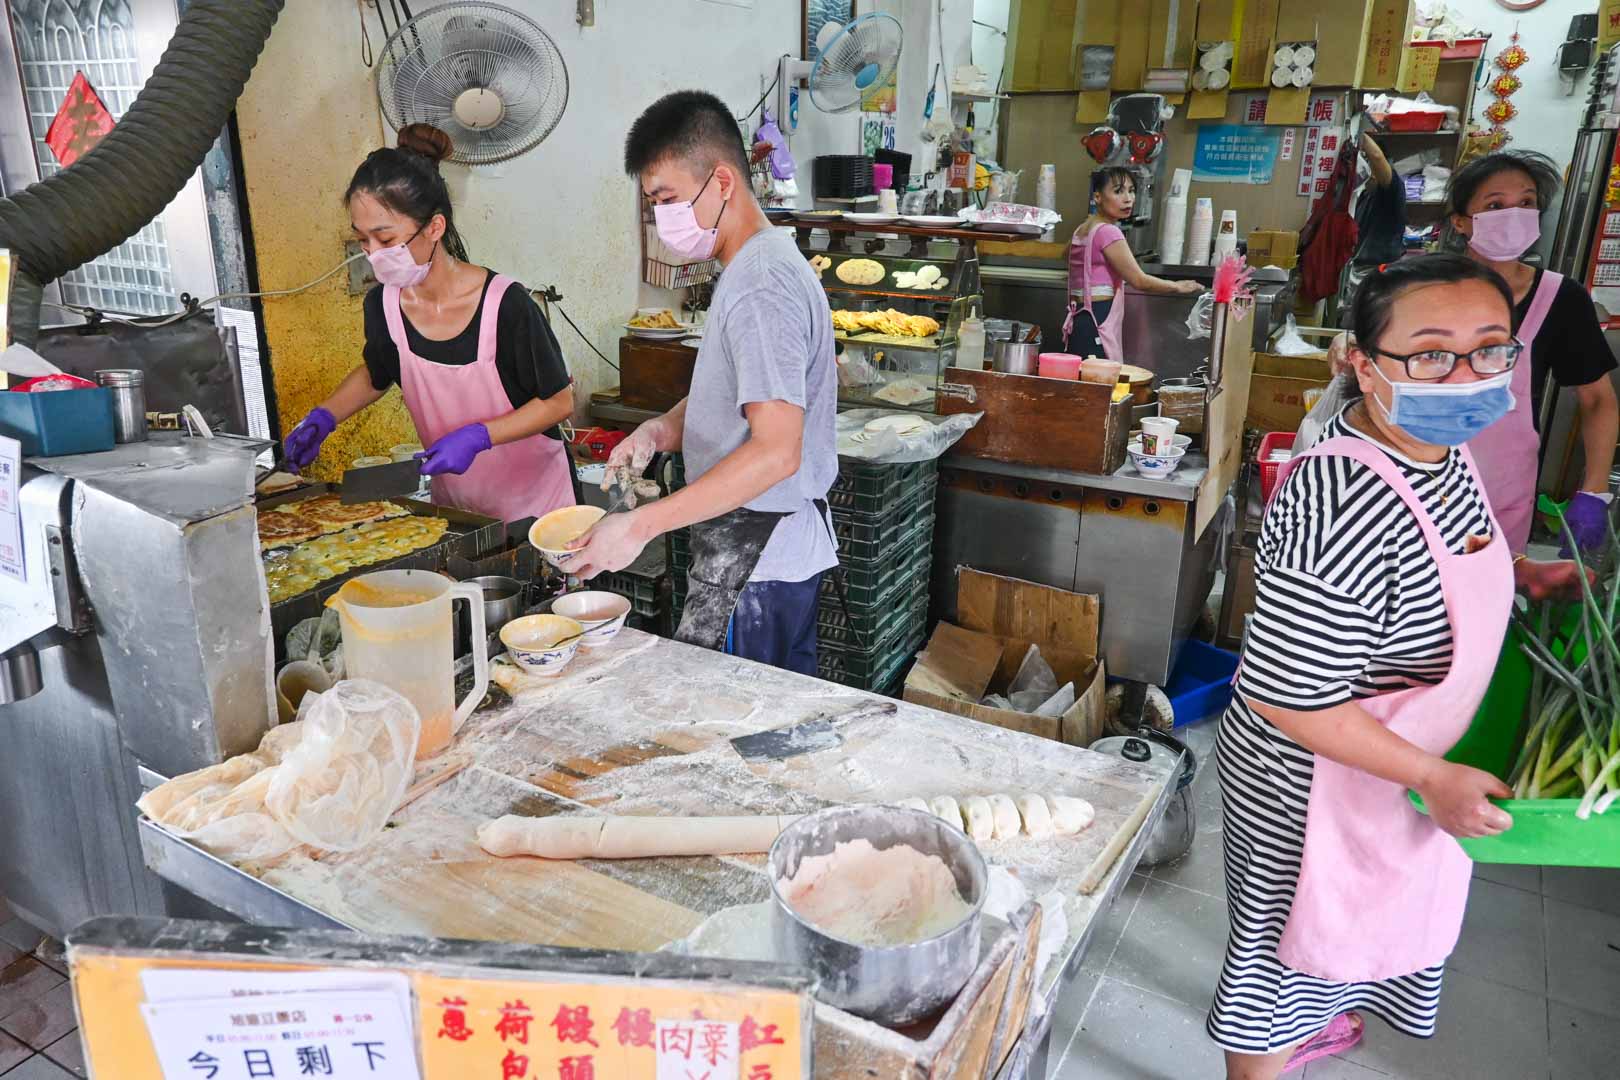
column 39, row 1036
column 1533, row 990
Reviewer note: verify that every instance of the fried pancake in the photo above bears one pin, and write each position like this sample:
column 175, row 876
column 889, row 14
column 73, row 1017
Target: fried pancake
column 278, row 528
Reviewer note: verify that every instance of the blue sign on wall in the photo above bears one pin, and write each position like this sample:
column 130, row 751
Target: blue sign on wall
column 1236, row 153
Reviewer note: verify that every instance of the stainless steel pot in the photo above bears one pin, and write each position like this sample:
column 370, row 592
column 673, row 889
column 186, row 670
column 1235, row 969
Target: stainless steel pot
column 503, row 602
column 1016, row 357
column 895, row 984
column 1173, row 836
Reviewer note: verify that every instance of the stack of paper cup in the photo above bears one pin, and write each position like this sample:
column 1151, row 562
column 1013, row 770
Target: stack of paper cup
column 1226, row 236
column 1200, row 234
column 1173, row 231
column 1046, row 195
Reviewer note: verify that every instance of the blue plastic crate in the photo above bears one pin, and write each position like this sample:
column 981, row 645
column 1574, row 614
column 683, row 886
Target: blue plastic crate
column 1200, row 685
column 50, row 423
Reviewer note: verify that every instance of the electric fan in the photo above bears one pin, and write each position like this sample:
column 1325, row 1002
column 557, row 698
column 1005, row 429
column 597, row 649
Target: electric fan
column 855, row 58
column 486, row 75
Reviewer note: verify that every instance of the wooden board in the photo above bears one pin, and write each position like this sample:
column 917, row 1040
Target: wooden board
column 1223, row 423
column 654, row 374
column 1028, row 420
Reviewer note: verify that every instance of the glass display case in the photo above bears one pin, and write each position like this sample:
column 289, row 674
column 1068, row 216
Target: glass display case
column 898, row 295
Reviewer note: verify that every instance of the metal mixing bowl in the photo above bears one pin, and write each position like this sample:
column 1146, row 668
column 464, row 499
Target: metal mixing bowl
column 895, row 984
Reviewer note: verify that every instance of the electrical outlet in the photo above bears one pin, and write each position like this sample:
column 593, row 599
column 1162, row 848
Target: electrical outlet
column 361, row 279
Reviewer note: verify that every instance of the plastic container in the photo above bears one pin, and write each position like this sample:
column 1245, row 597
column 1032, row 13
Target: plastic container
column 1416, row 121
column 1058, row 365
column 1094, row 370
column 51, row 423
column 1545, row 832
column 1271, row 470
column 1200, row 685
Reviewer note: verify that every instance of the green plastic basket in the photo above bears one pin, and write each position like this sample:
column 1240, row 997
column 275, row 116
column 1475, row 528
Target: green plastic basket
column 1545, row 832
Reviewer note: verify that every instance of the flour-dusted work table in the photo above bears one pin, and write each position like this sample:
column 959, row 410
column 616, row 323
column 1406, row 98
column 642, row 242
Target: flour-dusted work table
column 644, row 726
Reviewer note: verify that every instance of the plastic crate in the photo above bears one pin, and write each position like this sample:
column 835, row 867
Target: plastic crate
column 1545, row 832
column 1271, row 470
column 876, row 628
column 868, row 670
column 1200, row 685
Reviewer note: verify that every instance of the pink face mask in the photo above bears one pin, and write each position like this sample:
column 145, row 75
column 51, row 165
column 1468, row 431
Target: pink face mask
column 395, row 265
column 1504, row 235
column 678, row 227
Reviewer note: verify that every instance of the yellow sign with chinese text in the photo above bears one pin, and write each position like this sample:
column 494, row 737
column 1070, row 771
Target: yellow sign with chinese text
column 1420, row 67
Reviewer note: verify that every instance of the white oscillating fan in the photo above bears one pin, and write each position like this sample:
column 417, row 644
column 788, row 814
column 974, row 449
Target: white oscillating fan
column 854, row 59
column 486, row 75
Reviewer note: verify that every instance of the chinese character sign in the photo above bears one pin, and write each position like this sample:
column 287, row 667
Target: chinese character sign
column 540, row 1031
column 1322, row 147
column 1236, row 153
column 343, row 1035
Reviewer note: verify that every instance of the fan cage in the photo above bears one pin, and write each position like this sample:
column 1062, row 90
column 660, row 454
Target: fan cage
column 444, row 51
column 875, row 38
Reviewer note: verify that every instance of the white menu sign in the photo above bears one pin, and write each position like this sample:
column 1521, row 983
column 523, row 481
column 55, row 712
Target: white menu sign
column 11, row 552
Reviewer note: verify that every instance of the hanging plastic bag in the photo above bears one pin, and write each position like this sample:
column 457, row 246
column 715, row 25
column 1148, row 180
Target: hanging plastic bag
column 1198, row 319
column 1339, row 393
column 331, row 779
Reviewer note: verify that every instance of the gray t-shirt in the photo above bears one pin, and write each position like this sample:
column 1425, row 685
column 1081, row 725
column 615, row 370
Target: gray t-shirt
column 769, row 337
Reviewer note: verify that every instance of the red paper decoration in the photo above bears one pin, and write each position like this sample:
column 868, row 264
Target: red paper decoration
column 1504, row 86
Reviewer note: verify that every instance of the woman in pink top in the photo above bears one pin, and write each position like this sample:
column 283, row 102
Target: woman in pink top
column 1099, row 261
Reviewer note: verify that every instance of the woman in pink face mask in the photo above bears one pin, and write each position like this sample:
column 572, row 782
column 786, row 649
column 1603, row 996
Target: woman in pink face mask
column 1495, row 203
column 479, row 368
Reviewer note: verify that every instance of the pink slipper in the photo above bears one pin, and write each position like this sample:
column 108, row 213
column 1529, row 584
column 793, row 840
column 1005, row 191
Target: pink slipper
column 1342, row 1033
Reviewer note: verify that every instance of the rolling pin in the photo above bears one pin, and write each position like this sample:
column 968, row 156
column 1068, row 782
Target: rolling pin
column 591, row 837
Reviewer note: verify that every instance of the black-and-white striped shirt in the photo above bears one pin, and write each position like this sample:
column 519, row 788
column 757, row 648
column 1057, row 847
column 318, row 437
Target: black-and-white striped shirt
column 1348, row 600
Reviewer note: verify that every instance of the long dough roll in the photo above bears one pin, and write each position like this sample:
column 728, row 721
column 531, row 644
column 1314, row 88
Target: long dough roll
column 590, row 837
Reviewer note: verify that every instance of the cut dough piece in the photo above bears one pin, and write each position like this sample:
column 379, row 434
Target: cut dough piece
column 590, row 837
column 1005, row 815
column 981, row 824
column 1069, row 815
column 1037, row 818
column 945, row 808
column 913, row 803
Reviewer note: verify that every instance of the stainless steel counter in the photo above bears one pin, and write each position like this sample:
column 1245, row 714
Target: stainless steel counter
column 1129, row 539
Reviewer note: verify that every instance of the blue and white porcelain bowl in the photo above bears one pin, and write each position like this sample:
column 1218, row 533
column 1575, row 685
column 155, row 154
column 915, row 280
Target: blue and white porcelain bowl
column 1154, row 466
column 542, row 644
column 602, row 614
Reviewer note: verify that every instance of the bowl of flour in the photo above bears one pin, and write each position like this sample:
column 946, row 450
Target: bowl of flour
column 883, row 904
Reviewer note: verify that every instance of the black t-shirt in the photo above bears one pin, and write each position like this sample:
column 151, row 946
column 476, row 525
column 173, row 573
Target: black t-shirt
column 1570, row 342
column 1381, row 222
column 527, row 355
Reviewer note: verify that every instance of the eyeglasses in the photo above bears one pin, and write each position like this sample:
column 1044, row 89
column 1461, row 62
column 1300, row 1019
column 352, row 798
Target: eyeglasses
column 1432, row 364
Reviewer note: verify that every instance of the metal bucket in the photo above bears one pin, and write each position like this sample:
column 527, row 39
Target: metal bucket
column 1017, row 357
column 894, row 984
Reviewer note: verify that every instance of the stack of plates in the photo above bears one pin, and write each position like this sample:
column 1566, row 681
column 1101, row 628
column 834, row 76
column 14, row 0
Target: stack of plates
column 902, row 426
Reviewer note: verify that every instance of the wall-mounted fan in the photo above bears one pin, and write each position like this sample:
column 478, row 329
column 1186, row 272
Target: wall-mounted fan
column 486, row 75
column 855, row 58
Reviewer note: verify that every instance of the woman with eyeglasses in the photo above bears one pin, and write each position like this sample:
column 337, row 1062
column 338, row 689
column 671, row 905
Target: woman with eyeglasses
column 1383, row 585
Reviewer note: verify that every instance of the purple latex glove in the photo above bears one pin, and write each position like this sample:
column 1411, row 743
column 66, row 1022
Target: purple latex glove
column 454, row 452
column 303, row 443
column 1588, row 518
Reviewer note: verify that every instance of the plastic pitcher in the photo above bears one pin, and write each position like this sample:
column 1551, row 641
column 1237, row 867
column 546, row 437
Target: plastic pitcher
column 398, row 631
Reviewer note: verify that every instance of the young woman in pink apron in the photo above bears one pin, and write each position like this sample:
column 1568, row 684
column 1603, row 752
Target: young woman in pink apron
column 1383, row 591
column 480, row 371
column 1495, row 203
column 1101, row 264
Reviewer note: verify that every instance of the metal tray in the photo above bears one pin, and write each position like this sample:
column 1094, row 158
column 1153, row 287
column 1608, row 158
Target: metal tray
column 470, row 536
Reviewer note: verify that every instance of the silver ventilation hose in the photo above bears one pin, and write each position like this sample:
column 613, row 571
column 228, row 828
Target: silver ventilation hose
column 110, row 194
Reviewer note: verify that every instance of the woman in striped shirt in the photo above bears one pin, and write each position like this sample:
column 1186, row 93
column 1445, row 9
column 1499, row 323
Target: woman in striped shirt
column 1383, row 590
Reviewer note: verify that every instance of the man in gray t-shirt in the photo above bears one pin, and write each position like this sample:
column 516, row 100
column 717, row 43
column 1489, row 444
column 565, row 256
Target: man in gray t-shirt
column 757, row 427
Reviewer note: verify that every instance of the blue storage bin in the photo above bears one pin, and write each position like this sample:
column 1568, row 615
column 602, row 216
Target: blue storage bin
column 55, row 422
column 1200, row 686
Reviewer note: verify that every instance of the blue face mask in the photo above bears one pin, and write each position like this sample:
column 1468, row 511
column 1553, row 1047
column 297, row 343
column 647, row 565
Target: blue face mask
column 1448, row 414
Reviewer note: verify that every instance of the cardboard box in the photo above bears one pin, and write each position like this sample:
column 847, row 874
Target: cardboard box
column 1277, row 389
column 1000, row 618
column 1269, row 247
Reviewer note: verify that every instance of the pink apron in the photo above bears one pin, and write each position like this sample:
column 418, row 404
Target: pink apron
column 513, row 481
column 1108, row 331
column 1381, row 888
column 1509, row 451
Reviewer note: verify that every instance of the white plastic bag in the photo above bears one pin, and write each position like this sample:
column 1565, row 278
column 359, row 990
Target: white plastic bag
column 1198, row 319
column 330, row 778
column 1339, row 393
column 1291, row 343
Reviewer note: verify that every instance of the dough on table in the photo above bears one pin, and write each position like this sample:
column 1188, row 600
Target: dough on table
column 584, row 836
column 945, row 808
column 1037, row 817
column 980, row 821
column 912, row 802
column 1005, row 815
column 1070, row 815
